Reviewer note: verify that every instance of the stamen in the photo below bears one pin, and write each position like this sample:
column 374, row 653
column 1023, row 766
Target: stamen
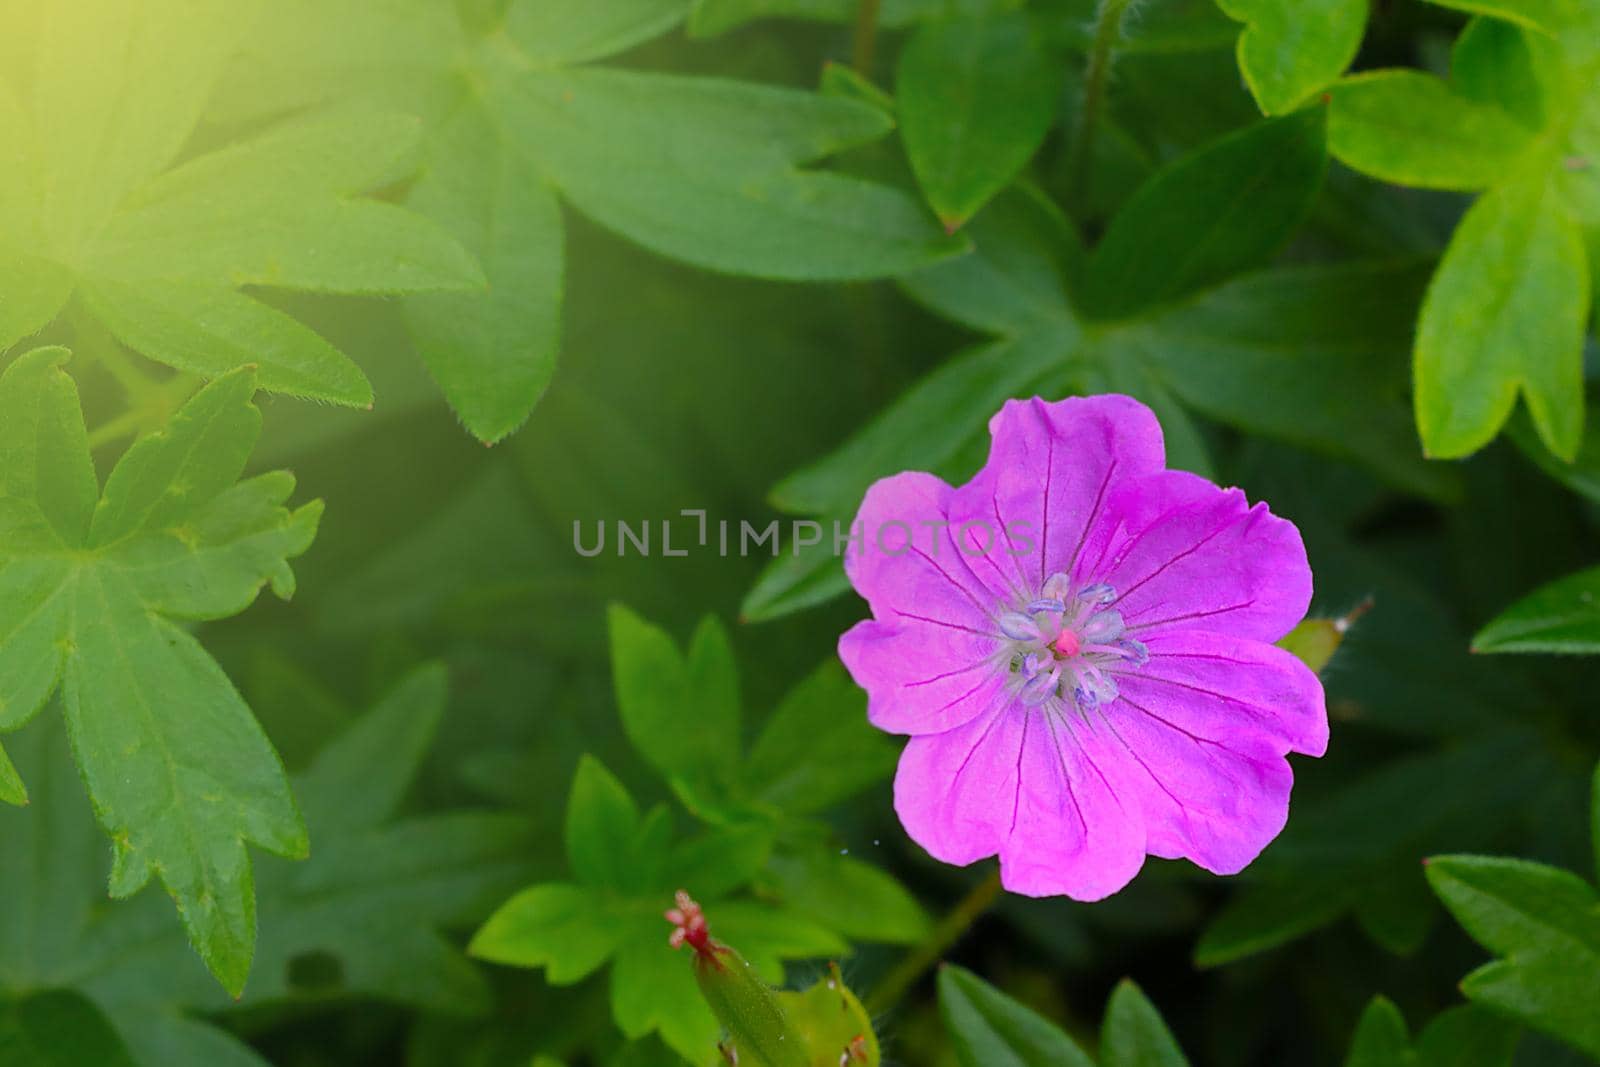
column 1061, row 646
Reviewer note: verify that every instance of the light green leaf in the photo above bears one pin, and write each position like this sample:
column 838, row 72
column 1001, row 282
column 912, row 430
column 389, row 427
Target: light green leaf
column 1134, row 1034
column 1505, row 313
column 1563, row 617
column 989, row 1029
column 857, row 899
column 1236, row 200
column 681, row 712
column 602, row 825
column 181, row 774
column 161, row 253
column 552, row 34
column 1545, row 923
column 975, row 99
column 58, row 1029
column 565, row 929
column 1289, row 50
column 1411, row 128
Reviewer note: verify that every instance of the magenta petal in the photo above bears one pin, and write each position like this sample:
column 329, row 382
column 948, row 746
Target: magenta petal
column 1051, row 471
column 1223, row 686
column 1078, row 829
column 1207, row 722
column 921, row 679
column 1042, row 794
column 1186, row 553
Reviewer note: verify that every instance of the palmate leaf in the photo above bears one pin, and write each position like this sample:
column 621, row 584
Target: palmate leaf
column 94, row 586
column 355, row 920
column 1507, row 310
column 89, row 206
column 515, row 121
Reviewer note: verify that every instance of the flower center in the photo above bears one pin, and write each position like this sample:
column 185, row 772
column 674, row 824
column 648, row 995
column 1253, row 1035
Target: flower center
column 1061, row 647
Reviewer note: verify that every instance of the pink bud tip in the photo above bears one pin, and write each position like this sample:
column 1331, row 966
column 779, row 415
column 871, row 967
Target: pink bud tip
column 689, row 925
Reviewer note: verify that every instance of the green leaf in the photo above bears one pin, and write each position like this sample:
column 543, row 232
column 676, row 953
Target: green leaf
column 1467, row 1036
column 975, row 99
column 857, row 899
column 681, row 712
column 565, row 929
column 1134, row 1034
column 58, row 1029
column 553, row 34
column 1236, row 200
column 730, row 192
column 989, row 1029
column 1563, row 617
column 1290, row 50
column 494, row 353
column 1505, row 313
column 1313, row 355
column 1411, row 128
column 1546, row 15
column 602, row 825
column 160, row 252
column 181, row 774
column 1492, row 63
column 356, row 920
column 1381, row 1038
column 1545, row 923
column 818, row 748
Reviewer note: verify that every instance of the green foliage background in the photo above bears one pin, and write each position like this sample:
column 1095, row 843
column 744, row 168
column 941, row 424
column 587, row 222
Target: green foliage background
column 425, row 804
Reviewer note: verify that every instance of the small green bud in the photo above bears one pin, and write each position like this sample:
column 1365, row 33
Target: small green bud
column 1315, row 641
column 825, row 1026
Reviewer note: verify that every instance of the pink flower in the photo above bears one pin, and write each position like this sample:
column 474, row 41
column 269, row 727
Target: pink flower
column 1079, row 643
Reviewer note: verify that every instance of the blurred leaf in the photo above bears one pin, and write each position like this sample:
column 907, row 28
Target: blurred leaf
column 1563, row 616
column 1134, row 1034
column 989, row 1029
column 1237, row 201
column 1464, row 1036
column 975, row 99
column 355, row 920
column 158, row 254
column 93, row 591
column 1290, row 50
column 1547, row 15
column 858, row 900
column 1343, row 851
column 1492, row 63
column 1504, row 315
column 1412, row 129
column 710, row 17
column 1545, row 922
column 58, row 1029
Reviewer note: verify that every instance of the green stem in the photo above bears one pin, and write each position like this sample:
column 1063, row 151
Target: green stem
column 908, row 971
column 93, row 341
column 866, row 38
column 1080, row 160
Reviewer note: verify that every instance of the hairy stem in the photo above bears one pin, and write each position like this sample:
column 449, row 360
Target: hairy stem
column 908, row 971
column 866, row 37
column 1080, row 158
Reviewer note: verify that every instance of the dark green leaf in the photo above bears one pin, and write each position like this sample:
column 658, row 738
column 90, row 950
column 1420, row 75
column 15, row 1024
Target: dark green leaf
column 1134, row 1034
column 58, row 1029
column 1236, row 201
column 987, row 1028
column 975, row 99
